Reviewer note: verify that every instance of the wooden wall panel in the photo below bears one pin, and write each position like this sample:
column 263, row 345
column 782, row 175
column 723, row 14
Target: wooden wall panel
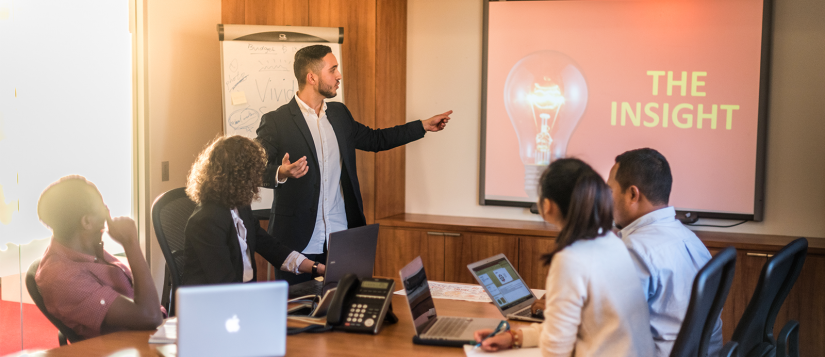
column 390, row 103
column 277, row 12
column 398, row 247
column 530, row 265
column 470, row 248
column 232, row 11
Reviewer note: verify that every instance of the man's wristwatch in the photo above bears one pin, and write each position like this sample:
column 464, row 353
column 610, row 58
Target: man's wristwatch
column 315, row 269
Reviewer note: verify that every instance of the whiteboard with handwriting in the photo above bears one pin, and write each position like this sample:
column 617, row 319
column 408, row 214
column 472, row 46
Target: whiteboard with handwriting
column 258, row 78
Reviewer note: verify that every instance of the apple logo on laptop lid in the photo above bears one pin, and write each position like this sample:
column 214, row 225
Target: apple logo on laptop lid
column 233, row 324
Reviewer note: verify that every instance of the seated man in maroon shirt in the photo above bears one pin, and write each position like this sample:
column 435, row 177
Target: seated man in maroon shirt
column 82, row 285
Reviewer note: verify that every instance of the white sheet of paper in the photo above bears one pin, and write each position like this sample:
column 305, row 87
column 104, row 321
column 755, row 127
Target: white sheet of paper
column 167, row 333
column 471, row 352
column 238, row 98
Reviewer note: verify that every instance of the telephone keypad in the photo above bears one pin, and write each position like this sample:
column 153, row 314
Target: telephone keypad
column 362, row 314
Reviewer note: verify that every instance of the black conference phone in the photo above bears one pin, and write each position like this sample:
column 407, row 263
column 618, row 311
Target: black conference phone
column 361, row 305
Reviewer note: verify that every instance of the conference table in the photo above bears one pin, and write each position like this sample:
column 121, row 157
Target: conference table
column 393, row 340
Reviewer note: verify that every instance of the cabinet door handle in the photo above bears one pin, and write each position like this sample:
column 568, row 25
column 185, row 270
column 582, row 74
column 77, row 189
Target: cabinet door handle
column 444, row 234
column 761, row 255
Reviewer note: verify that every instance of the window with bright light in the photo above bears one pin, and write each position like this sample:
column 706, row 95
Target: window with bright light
column 65, row 108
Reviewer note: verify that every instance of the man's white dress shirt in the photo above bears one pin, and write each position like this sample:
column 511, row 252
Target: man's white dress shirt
column 331, row 216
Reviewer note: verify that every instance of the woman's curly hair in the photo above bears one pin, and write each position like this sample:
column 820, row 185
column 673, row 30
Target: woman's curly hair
column 227, row 173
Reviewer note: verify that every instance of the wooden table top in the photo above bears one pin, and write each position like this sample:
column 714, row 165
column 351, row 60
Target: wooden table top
column 393, row 340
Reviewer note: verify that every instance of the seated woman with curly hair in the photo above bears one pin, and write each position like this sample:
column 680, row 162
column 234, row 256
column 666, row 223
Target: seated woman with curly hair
column 222, row 234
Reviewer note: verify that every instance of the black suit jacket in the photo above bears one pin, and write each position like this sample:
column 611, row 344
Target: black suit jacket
column 295, row 206
column 212, row 253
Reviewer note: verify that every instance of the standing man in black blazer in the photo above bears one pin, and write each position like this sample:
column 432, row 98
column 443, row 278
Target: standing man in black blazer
column 318, row 193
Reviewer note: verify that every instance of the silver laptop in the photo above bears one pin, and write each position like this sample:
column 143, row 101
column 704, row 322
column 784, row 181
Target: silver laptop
column 350, row 252
column 232, row 320
column 505, row 287
column 430, row 328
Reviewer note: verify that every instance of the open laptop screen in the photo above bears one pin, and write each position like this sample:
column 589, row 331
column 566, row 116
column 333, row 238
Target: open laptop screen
column 503, row 283
column 421, row 302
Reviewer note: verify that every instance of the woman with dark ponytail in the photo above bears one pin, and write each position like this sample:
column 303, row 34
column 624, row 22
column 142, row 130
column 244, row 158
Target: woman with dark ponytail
column 595, row 305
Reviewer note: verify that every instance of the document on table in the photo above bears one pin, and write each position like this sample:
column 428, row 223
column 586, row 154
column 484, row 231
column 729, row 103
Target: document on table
column 465, row 292
column 167, row 333
column 471, row 352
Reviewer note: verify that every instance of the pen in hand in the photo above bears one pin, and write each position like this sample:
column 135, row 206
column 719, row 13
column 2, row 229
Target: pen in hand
column 503, row 326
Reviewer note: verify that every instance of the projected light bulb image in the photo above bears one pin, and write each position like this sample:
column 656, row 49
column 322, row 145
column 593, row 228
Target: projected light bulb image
column 545, row 95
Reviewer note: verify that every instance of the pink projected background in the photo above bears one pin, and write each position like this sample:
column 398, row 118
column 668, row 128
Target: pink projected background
column 620, row 48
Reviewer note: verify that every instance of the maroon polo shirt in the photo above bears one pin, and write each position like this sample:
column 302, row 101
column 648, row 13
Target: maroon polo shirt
column 78, row 289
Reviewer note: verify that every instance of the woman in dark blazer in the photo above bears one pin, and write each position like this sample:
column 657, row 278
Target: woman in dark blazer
column 222, row 234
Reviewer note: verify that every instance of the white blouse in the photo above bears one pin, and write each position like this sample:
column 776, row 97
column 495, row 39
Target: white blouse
column 291, row 264
column 595, row 305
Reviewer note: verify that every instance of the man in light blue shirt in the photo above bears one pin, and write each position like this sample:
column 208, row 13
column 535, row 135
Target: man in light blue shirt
column 667, row 254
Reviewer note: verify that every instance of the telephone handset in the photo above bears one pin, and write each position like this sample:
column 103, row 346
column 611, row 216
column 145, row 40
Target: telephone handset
column 361, row 305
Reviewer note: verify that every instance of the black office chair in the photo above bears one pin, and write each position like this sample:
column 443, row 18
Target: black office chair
column 754, row 332
column 64, row 333
column 710, row 290
column 730, row 350
column 170, row 212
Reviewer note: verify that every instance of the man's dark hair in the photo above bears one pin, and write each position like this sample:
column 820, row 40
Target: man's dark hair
column 648, row 170
column 64, row 203
column 309, row 58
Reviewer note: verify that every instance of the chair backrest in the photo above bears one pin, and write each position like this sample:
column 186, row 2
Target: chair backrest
column 34, row 292
column 710, row 290
column 730, row 349
column 778, row 276
column 170, row 212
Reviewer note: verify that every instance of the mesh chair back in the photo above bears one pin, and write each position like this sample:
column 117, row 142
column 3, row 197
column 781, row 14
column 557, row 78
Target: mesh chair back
column 64, row 332
column 170, row 212
column 755, row 328
column 710, row 290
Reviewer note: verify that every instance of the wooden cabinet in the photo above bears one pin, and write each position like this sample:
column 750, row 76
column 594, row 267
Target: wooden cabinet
column 397, row 247
column 748, row 267
column 462, row 249
column 806, row 305
column 531, row 267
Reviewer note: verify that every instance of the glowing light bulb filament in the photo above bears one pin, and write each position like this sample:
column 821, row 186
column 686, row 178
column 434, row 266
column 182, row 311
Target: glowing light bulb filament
column 548, row 100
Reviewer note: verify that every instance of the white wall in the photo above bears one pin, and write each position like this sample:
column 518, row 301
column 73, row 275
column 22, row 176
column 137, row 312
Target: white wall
column 444, row 72
column 184, row 93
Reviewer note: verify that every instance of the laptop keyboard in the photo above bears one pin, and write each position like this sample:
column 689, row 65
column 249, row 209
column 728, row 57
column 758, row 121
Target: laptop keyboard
column 448, row 327
column 525, row 312
column 312, row 287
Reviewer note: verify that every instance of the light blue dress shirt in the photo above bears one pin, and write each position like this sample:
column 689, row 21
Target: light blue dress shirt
column 667, row 257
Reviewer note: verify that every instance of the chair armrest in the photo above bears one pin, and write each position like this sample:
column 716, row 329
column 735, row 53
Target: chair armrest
column 787, row 343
